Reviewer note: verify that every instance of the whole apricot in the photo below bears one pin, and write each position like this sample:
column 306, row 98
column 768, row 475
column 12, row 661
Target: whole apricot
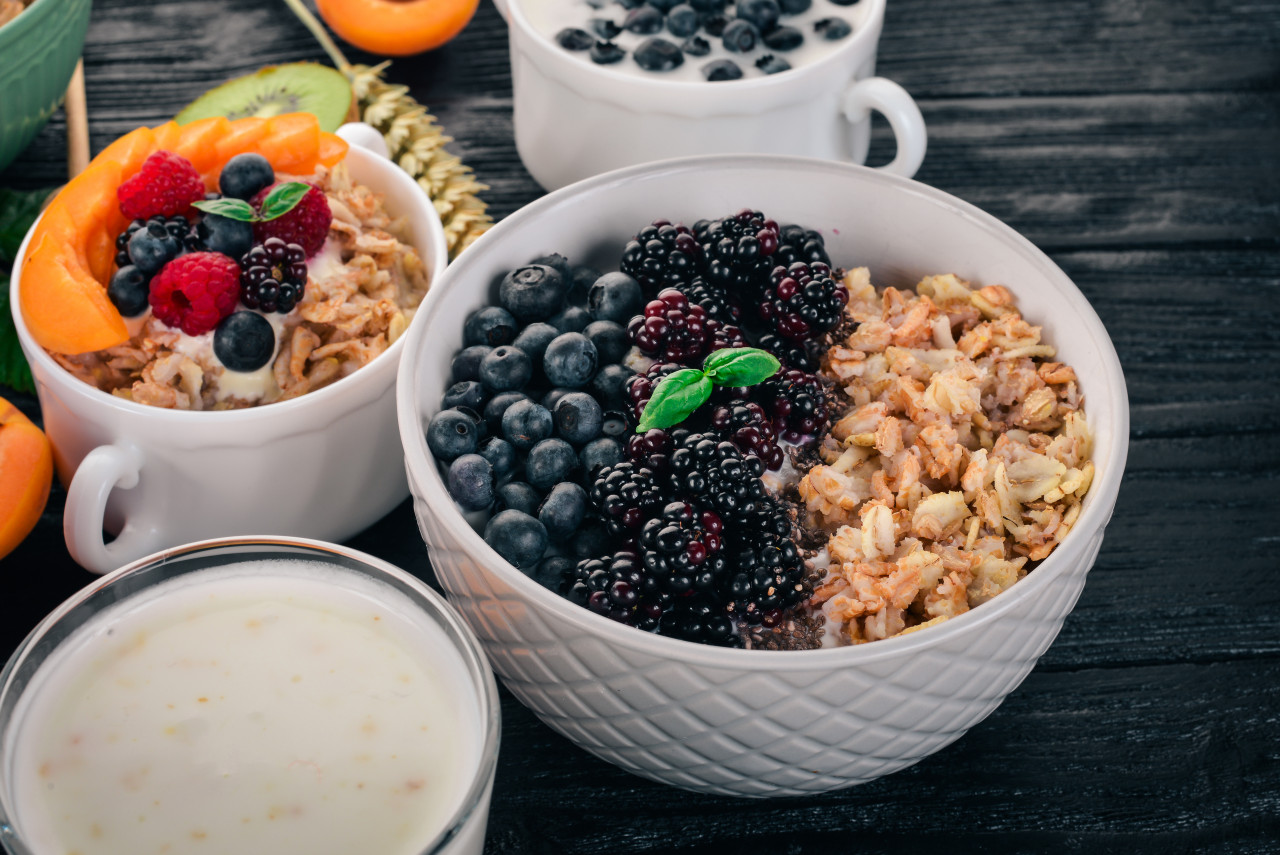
column 397, row 27
column 26, row 474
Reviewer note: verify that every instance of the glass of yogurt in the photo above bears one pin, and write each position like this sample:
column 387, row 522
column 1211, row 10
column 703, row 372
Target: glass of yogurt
column 250, row 696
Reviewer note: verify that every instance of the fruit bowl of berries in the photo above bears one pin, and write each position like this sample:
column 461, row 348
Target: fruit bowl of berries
column 760, row 475
column 213, row 314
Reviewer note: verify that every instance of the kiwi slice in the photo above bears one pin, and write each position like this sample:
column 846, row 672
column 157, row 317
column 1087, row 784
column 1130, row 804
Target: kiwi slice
column 306, row 87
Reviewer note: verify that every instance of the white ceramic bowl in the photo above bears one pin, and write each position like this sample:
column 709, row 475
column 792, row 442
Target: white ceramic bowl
column 742, row 722
column 324, row 465
column 574, row 118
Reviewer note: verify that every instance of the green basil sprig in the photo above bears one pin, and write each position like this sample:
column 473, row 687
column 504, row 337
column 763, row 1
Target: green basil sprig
column 282, row 199
column 682, row 392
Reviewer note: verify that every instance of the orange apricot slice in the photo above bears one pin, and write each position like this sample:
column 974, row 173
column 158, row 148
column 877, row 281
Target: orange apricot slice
column 26, row 474
column 71, row 255
column 397, row 27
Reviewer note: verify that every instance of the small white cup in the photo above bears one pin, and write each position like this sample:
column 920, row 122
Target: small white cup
column 324, row 465
column 574, row 119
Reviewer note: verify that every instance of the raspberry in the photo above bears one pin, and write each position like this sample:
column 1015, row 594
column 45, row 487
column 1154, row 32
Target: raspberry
column 166, row 185
column 196, row 291
column 307, row 224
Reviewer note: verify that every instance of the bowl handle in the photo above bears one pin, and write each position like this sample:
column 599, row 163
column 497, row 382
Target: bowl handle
column 367, row 137
column 890, row 99
column 101, row 471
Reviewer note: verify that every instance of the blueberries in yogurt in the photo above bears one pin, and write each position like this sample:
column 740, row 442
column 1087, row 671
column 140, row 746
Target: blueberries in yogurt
column 763, row 13
column 658, row 54
column 571, row 38
column 715, row 24
column 784, row 38
column 696, row 46
column 771, row 64
column 740, row 36
column 604, row 28
column 844, row 2
column 644, row 21
column 682, row 20
column 794, row 7
column 832, row 29
column 606, row 53
column 722, row 69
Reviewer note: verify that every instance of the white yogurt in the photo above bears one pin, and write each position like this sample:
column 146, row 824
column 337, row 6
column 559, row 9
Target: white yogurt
column 549, row 17
column 259, row 709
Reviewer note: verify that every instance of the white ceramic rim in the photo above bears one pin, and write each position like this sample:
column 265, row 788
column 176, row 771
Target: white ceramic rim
column 567, row 67
column 248, row 415
column 424, row 475
column 486, row 689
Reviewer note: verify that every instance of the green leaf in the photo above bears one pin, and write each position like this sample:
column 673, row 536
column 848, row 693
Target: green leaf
column 18, row 210
column 14, row 371
column 282, row 199
column 740, row 366
column 232, row 209
column 676, row 396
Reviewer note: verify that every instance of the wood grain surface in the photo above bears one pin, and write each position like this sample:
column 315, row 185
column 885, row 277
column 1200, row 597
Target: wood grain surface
column 1136, row 141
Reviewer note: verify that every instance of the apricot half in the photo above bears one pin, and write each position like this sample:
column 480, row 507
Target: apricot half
column 71, row 256
column 26, row 473
column 397, row 27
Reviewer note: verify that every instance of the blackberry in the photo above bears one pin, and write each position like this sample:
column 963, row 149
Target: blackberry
column 802, row 300
column 670, row 328
column 796, row 403
column 747, row 426
column 680, row 550
column 701, row 620
column 662, row 254
column 738, row 251
column 640, row 387
column 792, row 354
column 764, row 571
column 651, row 448
column 625, row 495
column 796, row 243
column 273, row 276
column 177, row 226
column 612, row 587
column 122, row 242
column 714, row 301
column 712, row 471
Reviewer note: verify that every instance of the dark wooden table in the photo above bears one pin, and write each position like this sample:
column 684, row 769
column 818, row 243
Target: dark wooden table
column 1138, row 143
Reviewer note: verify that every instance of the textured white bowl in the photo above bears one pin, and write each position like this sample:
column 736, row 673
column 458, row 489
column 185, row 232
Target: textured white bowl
column 743, row 722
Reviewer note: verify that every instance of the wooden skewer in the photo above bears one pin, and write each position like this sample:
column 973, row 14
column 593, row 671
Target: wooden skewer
column 77, row 124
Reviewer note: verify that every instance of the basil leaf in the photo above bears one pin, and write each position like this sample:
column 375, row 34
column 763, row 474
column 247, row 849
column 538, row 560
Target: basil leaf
column 740, row 366
column 677, row 396
column 18, row 210
column 232, row 209
column 14, row 371
column 282, row 199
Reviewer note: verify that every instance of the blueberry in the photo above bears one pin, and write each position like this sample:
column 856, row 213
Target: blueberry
column 465, row 393
column 643, row 21
column 577, row 416
column 152, row 247
column 244, row 341
column 551, row 571
column 610, row 339
column 492, row 326
column 606, row 53
column 550, row 462
column 599, row 453
column 696, row 46
column 517, row 537
column 244, row 175
column 562, row 510
column 610, row 385
column 581, row 281
column 592, row 541
column 500, row 454
column 663, row 6
column 658, row 54
column 525, row 424
column 534, row 339
column 604, row 28
column 572, row 38
column 471, row 482
column 709, row 7
column 225, row 235
column 129, row 290
column 572, row 319
column 451, row 434
column 682, row 20
column 518, row 496
column 832, row 29
column 553, row 397
column 570, row 360
column 505, row 369
column 762, row 13
column 497, row 407
column 740, row 36
column 771, row 64
column 534, row 292
column 795, row 7
column 615, row 297
column 784, row 38
column 615, row 424
column 466, row 363
column 721, row 69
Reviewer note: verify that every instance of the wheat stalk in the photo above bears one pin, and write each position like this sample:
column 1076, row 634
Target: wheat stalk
column 414, row 141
